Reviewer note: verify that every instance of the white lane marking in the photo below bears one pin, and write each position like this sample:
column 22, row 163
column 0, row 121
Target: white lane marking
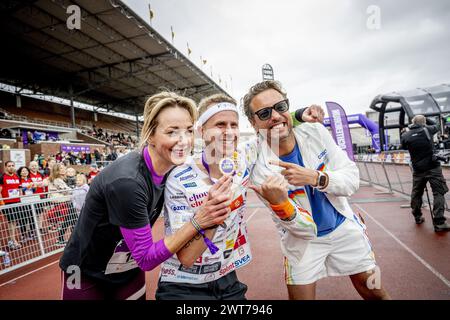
column 415, row 255
column 27, row 274
column 138, row 294
column 251, row 216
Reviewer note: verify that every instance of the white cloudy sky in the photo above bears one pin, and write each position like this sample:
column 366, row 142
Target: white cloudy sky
column 320, row 50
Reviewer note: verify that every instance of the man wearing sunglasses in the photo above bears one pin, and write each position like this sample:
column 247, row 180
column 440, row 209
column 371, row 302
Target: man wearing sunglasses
column 317, row 176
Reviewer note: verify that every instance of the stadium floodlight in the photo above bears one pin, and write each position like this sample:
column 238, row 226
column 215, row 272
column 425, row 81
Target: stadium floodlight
column 267, row 72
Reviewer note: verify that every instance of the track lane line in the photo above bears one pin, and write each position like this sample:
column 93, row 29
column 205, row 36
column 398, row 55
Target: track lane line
column 27, row 274
column 415, row 255
column 251, row 216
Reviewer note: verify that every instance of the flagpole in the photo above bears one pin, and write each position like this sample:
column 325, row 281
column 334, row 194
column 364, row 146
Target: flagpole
column 151, row 14
column 231, row 84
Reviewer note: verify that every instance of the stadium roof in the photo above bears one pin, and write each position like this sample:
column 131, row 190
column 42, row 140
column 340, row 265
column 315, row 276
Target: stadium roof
column 113, row 62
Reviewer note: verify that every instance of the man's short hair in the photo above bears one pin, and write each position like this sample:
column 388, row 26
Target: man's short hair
column 8, row 162
column 419, row 119
column 207, row 102
column 257, row 89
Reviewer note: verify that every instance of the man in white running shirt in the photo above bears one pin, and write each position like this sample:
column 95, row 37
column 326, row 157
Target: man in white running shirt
column 197, row 272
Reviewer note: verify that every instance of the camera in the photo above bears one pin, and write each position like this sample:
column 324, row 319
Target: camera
column 441, row 149
column 442, row 155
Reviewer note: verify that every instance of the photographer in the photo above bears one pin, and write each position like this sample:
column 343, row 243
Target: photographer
column 426, row 167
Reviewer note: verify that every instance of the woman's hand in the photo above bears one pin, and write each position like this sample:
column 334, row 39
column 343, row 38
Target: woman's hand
column 216, row 208
column 274, row 190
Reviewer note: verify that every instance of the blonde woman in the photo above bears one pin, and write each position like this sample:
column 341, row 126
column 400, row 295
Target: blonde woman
column 56, row 180
column 111, row 245
column 63, row 210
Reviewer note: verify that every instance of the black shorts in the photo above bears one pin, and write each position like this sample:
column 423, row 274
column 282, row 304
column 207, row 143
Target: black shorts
column 225, row 288
column 12, row 214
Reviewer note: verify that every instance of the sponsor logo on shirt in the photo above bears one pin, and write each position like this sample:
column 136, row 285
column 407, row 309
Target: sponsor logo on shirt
column 227, row 269
column 170, row 263
column 242, row 261
column 178, row 208
column 241, row 240
column 229, row 244
column 210, row 268
column 177, row 196
column 322, row 154
column 196, row 199
column 237, row 203
column 227, row 253
column 179, row 174
column 193, row 270
column 182, row 276
column 167, row 272
column 189, row 177
column 190, row 185
column 211, row 259
column 209, row 277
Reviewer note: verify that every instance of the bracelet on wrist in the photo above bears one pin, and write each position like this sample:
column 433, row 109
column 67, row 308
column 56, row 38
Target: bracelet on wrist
column 284, row 210
column 211, row 246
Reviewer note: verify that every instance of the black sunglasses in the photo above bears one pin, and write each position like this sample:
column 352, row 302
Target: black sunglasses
column 265, row 113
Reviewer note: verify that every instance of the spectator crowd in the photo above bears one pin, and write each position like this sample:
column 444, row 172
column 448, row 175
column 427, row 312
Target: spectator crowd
column 48, row 180
column 114, row 139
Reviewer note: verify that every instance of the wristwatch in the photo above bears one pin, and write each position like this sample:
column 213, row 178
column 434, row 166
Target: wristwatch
column 322, row 180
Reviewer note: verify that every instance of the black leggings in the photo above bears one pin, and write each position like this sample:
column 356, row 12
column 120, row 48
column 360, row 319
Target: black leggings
column 226, row 288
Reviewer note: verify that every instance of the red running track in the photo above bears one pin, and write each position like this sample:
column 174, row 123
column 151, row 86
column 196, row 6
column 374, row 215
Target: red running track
column 414, row 260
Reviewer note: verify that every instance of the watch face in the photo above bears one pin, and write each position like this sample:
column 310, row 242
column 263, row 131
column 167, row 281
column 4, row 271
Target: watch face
column 322, row 180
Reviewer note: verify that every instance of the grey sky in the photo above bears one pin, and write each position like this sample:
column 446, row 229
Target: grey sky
column 320, row 50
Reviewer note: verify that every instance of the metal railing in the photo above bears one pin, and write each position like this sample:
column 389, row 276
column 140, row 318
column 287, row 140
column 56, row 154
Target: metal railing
column 393, row 172
column 36, row 227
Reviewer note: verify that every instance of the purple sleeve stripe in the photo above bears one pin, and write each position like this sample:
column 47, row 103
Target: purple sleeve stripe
column 148, row 254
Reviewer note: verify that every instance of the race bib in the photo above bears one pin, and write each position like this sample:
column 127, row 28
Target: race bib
column 121, row 260
column 13, row 193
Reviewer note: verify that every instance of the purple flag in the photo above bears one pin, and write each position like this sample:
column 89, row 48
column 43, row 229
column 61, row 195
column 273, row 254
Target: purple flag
column 339, row 127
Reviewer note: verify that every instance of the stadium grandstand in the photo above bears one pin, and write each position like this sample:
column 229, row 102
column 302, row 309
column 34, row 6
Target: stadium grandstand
column 68, row 93
column 108, row 66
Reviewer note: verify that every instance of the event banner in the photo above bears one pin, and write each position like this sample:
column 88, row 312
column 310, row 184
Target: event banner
column 339, row 127
column 68, row 148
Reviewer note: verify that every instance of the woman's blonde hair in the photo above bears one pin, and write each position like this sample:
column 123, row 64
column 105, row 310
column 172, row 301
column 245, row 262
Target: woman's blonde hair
column 158, row 102
column 55, row 172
